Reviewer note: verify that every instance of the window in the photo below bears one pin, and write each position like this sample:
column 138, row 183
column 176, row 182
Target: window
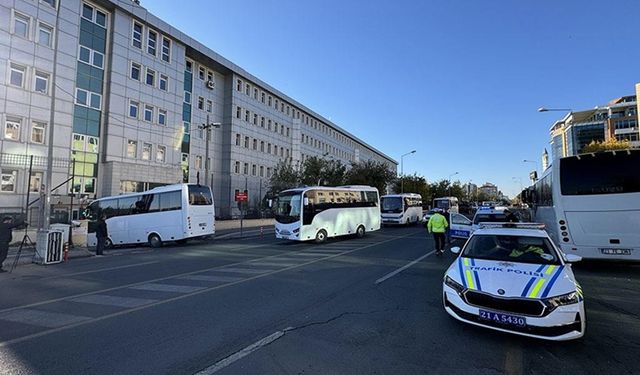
column 41, row 83
column 246, row 142
column 188, row 66
column 209, row 106
column 45, row 34
column 163, row 82
column 187, row 97
column 162, row 117
column 262, row 97
column 255, row 144
column 245, row 168
column 21, row 25
column 269, row 125
column 136, row 69
column 261, row 171
column 92, row 144
column 238, row 112
column 209, row 75
column 253, row 170
column 268, row 148
column 187, row 127
column 237, row 167
column 8, row 181
column 161, row 154
column 37, row 132
column 268, row 172
column 52, row 3
column 151, row 77
column 239, row 85
column 78, row 142
column 262, row 146
column 255, row 119
column 17, row 75
column 255, row 93
column 136, row 36
column 152, row 39
column 132, row 149
column 269, row 101
column 247, row 89
column 261, row 122
column 94, row 15
column 246, row 116
column 201, row 72
column 166, row 49
column 198, row 162
column 12, row 129
column 148, row 113
column 200, row 102
column 146, row 151
column 91, row 57
column 35, row 182
column 275, row 150
column 133, row 109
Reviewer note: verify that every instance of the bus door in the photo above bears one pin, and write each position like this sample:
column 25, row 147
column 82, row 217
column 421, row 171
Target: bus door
column 460, row 226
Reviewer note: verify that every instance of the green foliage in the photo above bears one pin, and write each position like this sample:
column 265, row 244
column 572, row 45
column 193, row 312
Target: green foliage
column 284, row 177
column 444, row 188
column 319, row 171
column 370, row 173
column 413, row 184
column 608, row 145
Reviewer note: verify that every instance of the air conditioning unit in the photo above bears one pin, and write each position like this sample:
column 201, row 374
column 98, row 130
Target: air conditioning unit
column 211, row 85
column 49, row 247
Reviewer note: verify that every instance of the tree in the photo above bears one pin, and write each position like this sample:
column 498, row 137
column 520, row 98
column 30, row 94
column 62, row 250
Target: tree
column 413, row 184
column 284, row 177
column 370, row 173
column 335, row 173
column 319, row 171
column 608, row 145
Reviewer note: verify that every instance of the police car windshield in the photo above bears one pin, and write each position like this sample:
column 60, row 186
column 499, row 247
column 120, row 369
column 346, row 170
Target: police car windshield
column 521, row 249
column 495, row 217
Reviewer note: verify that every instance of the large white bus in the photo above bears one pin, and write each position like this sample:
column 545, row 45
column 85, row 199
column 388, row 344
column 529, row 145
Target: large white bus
column 590, row 204
column 401, row 209
column 447, row 204
column 316, row 213
column 167, row 213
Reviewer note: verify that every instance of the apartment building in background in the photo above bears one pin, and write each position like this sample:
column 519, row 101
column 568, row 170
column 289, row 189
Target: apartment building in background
column 112, row 97
column 618, row 119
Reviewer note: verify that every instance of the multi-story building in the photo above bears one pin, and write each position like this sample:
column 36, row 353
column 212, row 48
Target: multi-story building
column 110, row 96
column 616, row 120
column 488, row 189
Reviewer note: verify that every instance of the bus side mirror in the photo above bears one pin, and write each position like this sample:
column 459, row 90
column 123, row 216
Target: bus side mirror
column 455, row 250
column 306, row 201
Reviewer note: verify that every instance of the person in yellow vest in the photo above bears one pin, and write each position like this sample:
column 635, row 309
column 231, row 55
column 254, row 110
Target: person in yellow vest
column 437, row 225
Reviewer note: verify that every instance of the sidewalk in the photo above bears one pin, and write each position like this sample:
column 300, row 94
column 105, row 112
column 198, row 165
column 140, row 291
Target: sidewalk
column 224, row 229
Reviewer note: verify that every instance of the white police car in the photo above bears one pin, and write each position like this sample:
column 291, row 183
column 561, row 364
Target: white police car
column 461, row 227
column 511, row 277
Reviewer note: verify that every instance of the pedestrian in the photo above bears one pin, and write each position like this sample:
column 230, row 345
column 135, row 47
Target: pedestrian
column 6, row 226
column 510, row 217
column 101, row 234
column 437, row 225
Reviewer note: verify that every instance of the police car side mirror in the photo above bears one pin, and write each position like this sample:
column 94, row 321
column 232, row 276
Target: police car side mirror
column 455, row 250
column 572, row 258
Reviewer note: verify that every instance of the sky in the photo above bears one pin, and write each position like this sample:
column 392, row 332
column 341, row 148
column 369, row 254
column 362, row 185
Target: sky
column 459, row 81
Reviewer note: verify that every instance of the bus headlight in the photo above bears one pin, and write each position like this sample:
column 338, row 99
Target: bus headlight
column 563, row 300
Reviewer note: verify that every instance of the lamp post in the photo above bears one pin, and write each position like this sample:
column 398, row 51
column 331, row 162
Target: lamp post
column 402, row 170
column 535, row 169
column 207, row 127
column 449, row 180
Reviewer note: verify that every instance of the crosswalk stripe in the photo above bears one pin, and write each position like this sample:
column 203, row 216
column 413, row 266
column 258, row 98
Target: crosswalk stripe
column 42, row 318
column 226, row 279
column 103, row 299
column 167, row 288
column 243, row 270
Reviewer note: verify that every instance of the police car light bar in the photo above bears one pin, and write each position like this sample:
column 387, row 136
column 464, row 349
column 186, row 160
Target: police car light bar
column 485, row 225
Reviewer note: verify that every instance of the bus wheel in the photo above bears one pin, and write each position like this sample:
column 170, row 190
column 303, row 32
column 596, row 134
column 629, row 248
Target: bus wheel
column 108, row 244
column 154, row 240
column 360, row 232
column 321, row 236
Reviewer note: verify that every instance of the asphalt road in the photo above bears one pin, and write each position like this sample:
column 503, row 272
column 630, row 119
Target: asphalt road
column 261, row 306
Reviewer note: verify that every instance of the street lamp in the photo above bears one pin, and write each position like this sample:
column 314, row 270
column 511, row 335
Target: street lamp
column 535, row 169
column 402, row 170
column 207, row 126
column 449, row 180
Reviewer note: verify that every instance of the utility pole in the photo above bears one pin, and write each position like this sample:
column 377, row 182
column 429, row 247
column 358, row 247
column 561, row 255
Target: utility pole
column 207, row 128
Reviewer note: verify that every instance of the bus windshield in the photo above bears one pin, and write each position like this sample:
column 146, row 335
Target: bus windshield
column 391, row 205
column 287, row 209
column 200, row 195
column 600, row 173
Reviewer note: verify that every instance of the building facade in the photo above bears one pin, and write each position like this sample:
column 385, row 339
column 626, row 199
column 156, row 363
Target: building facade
column 490, row 190
column 112, row 99
column 616, row 120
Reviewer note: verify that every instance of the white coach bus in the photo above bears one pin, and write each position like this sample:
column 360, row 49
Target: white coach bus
column 401, row 209
column 316, row 213
column 167, row 213
column 590, row 204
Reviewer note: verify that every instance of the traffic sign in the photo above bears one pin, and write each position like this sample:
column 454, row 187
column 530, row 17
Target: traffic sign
column 242, row 196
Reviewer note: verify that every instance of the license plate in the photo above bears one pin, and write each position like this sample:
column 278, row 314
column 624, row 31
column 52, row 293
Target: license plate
column 506, row 319
column 284, row 237
column 616, row 251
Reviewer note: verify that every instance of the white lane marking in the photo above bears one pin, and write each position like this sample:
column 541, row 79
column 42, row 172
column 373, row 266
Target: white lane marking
column 168, row 288
column 225, row 279
column 272, row 264
column 99, row 270
column 309, row 254
column 103, row 299
column 42, row 318
column 242, row 353
column 392, row 274
column 243, row 270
